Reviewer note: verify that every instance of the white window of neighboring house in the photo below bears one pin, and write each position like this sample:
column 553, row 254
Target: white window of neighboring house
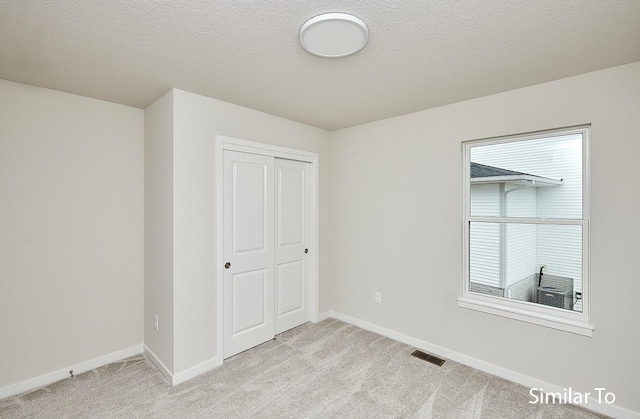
column 526, row 228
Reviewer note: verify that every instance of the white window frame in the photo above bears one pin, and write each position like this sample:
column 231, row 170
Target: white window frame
column 567, row 320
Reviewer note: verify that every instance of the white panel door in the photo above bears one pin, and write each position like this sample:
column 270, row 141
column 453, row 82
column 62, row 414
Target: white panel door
column 292, row 232
column 248, row 251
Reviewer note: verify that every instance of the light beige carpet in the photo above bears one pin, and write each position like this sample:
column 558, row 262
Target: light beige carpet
column 325, row 370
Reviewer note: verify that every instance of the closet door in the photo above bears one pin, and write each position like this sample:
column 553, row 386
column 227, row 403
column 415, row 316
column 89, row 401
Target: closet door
column 249, row 255
column 291, row 246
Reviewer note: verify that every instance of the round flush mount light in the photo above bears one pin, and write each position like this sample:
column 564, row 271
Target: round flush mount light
column 334, row 35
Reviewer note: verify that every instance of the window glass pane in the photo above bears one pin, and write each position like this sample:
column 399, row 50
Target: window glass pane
column 539, row 178
column 505, row 261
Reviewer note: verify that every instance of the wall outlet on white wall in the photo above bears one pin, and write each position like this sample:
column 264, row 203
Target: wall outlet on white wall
column 378, row 298
column 155, row 321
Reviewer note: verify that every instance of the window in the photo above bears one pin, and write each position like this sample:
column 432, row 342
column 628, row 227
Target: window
column 526, row 228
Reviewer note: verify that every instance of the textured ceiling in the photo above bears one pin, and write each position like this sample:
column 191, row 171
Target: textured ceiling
column 421, row 53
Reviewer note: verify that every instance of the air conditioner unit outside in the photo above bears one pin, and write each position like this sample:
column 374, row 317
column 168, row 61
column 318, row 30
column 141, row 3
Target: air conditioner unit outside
column 554, row 297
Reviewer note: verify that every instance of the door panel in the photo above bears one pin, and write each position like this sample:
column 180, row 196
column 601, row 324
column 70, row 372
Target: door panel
column 249, row 210
column 292, row 230
column 249, row 250
column 290, row 204
column 248, row 300
column 291, row 288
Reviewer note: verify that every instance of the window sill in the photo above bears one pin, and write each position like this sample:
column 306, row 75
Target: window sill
column 577, row 326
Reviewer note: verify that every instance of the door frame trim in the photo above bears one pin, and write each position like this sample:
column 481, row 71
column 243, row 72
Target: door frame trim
column 235, row 144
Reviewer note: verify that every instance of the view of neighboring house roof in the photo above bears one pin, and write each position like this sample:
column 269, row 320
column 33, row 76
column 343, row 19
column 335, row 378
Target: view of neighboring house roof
column 482, row 173
column 482, row 170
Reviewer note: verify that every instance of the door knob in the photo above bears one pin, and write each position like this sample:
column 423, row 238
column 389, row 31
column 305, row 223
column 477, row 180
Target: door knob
column 227, row 265
column 306, row 250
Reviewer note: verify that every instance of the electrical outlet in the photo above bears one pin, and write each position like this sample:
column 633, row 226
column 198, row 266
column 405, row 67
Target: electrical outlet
column 578, row 295
column 378, row 298
column 155, row 321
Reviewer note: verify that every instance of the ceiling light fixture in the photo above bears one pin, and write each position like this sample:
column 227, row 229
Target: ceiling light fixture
column 334, row 35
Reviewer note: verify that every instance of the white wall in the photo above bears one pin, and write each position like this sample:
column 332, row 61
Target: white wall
column 158, row 229
column 71, row 230
column 196, row 122
column 396, row 195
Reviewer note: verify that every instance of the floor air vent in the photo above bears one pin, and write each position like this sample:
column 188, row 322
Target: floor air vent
column 429, row 358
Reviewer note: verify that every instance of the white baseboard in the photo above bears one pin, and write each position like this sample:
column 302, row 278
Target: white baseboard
column 607, row 409
column 196, row 370
column 52, row 377
column 159, row 365
column 181, row 377
column 323, row 316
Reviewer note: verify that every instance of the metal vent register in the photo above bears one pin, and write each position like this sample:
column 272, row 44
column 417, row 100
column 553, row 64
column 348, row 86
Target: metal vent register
column 429, row 358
